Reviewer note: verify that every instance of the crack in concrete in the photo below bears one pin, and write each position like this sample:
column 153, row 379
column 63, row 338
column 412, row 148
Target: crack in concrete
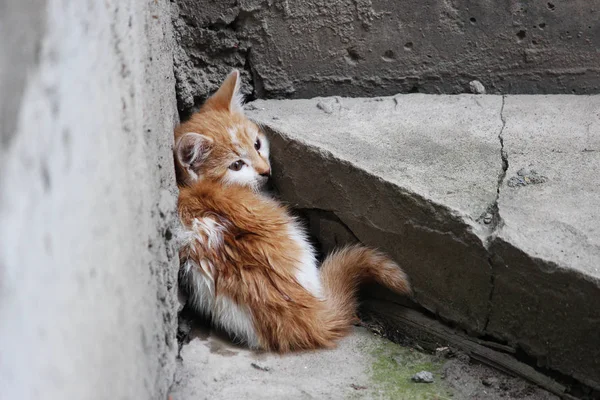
column 491, row 217
column 504, row 157
column 491, row 295
column 496, row 217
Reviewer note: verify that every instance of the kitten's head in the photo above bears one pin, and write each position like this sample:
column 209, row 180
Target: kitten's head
column 219, row 143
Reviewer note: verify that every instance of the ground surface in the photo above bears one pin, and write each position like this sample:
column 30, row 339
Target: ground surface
column 364, row 366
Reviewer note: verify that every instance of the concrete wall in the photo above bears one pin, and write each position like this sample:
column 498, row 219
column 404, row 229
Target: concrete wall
column 308, row 48
column 87, row 199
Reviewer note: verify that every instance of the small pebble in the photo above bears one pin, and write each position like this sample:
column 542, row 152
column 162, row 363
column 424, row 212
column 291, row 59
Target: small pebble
column 487, row 219
column 442, row 351
column 357, row 387
column 260, row 367
column 526, row 176
column 490, row 381
column 423, row 376
column 476, row 87
column 525, row 171
column 325, row 107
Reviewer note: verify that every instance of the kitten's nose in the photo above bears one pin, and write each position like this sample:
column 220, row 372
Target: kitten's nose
column 266, row 173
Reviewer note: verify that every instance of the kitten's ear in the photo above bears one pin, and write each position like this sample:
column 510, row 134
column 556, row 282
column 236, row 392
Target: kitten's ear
column 228, row 97
column 192, row 148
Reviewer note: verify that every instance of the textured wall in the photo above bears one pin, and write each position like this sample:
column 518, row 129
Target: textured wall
column 308, row 48
column 87, row 197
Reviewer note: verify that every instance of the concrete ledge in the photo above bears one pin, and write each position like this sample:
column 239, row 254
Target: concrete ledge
column 490, row 203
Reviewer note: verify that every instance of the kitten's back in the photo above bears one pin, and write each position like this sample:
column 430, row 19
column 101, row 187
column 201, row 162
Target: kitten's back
column 242, row 242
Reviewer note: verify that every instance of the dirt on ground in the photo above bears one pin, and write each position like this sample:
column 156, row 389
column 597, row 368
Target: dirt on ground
column 364, row 366
column 474, row 381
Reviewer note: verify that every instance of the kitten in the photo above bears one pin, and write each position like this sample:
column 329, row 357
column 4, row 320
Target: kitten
column 246, row 262
column 220, row 143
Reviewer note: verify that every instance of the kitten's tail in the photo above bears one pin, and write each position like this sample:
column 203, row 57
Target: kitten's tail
column 344, row 270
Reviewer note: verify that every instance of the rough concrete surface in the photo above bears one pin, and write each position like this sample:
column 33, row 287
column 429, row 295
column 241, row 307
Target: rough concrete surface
column 87, row 199
column 423, row 178
column 362, row 367
column 402, row 178
column 547, row 251
column 310, row 48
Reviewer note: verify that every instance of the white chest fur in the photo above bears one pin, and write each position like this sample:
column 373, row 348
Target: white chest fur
column 233, row 318
column 307, row 273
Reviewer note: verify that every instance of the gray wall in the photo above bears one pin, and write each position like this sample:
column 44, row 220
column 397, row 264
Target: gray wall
column 87, row 200
column 307, row 48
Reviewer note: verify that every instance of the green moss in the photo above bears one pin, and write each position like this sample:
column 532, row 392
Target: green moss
column 393, row 368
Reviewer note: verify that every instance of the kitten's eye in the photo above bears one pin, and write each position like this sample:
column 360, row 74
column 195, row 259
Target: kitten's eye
column 236, row 166
column 257, row 144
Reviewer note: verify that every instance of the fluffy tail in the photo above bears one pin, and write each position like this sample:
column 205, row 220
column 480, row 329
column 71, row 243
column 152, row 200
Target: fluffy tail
column 341, row 274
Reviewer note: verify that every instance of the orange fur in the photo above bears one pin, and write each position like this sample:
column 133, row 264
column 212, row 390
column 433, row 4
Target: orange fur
column 256, row 262
column 246, row 255
column 214, row 122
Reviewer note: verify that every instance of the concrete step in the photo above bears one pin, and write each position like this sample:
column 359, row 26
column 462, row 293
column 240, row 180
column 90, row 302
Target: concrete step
column 490, row 203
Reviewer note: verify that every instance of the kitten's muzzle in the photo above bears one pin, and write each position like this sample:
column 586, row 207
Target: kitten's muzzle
column 266, row 174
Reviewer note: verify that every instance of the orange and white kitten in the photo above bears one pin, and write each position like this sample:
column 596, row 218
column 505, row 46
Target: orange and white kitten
column 219, row 143
column 246, row 262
